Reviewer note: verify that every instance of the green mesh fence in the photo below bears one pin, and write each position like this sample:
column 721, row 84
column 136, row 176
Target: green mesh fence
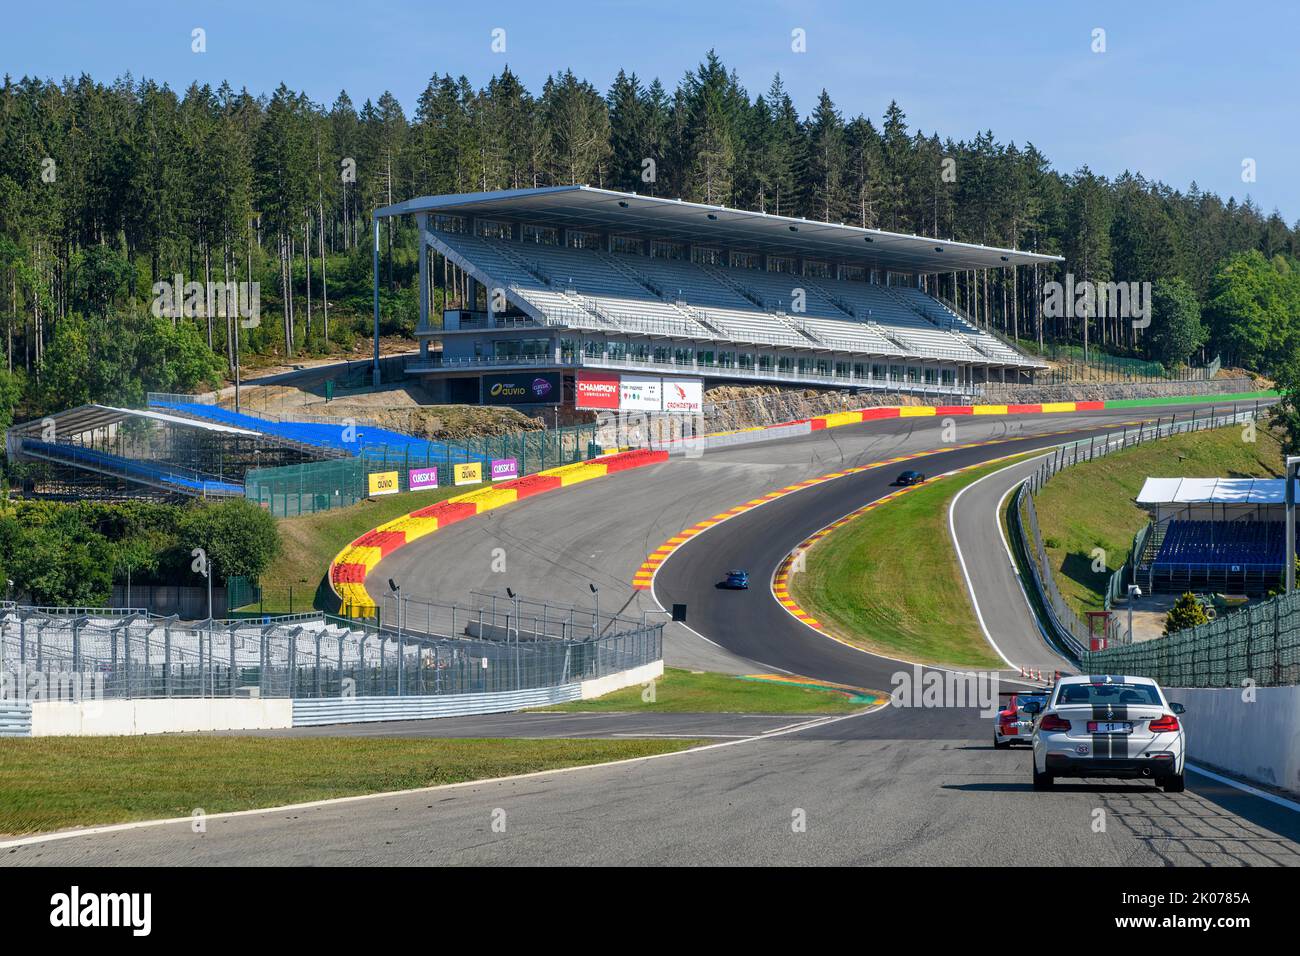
column 1259, row 643
column 292, row 490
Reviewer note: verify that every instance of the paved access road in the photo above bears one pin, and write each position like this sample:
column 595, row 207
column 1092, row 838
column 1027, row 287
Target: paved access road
column 904, row 786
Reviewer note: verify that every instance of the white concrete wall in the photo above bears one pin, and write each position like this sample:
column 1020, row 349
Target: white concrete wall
column 95, row 718
column 1257, row 741
column 600, row 686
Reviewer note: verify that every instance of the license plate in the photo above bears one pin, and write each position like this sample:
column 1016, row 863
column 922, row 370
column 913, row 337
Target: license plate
column 1104, row 727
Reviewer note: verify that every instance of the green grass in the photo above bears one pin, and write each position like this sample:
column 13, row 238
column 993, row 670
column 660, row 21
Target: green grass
column 1091, row 505
column 310, row 542
column 889, row 581
column 1244, row 398
column 683, row 691
column 48, row 783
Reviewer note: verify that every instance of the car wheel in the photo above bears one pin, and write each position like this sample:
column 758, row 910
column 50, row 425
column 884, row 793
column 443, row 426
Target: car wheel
column 1174, row 784
column 1042, row 781
column 1000, row 744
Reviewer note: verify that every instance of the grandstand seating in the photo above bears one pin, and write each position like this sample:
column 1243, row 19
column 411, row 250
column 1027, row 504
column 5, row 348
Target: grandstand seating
column 583, row 288
column 157, row 474
column 363, row 440
column 1248, row 554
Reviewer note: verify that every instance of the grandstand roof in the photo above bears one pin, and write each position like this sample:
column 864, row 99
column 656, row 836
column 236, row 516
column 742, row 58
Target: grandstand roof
column 1218, row 491
column 87, row 417
column 586, row 207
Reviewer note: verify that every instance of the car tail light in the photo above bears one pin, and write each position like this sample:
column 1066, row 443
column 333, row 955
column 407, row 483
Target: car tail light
column 1163, row 725
column 1052, row 722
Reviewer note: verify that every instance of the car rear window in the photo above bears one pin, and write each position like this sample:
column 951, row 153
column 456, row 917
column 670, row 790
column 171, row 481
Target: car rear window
column 1111, row 693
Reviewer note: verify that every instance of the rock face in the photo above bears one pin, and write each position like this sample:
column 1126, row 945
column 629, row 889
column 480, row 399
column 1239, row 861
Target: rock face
column 1113, row 391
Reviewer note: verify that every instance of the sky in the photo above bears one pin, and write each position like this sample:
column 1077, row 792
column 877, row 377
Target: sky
column 1182, row 92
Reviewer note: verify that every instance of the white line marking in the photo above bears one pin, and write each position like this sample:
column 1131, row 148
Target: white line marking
column 1246, row 788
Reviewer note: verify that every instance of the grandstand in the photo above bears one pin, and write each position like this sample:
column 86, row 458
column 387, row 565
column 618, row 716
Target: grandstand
column 1213, row 534
column 184, row 447
column 565, row 278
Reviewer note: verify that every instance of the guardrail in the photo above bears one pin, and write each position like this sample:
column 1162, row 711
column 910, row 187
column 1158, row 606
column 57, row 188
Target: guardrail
column 1070, row 632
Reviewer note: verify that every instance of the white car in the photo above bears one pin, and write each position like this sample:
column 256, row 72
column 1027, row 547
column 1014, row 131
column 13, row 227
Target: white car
column 1109, row 726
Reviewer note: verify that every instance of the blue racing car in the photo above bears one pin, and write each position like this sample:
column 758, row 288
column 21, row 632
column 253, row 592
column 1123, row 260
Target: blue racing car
column 737, row 580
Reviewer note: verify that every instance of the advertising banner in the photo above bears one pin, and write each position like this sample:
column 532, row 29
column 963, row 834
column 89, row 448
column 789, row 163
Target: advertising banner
column 522, row 388
column 597, row 390
column 470, row 473
column 383, row 483
column 503, row 469
column 684, row 395
column 421, row 478
column 640, row 393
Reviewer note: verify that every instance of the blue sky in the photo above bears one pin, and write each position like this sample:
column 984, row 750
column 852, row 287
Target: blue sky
column 1185, row 91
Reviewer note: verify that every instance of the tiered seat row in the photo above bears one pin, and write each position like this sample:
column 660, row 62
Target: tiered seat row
column 1223, row 543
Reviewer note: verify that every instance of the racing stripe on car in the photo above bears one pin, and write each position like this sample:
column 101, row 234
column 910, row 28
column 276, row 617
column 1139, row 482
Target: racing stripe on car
column 1110, row 746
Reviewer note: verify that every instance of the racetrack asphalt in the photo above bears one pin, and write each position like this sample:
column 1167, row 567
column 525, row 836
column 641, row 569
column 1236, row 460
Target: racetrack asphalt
column 894, row 785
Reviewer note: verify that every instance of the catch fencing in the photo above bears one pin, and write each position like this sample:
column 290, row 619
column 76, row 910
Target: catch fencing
column 1260, row 643
column 291, row 490
column 430, row 649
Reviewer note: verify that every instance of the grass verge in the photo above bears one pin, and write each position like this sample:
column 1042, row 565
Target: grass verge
column 704, row 692
column 48, row 783
column 1091, row 505
column 889, row 581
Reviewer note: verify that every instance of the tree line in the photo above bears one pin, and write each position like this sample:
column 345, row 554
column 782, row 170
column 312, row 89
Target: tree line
column 109, row 188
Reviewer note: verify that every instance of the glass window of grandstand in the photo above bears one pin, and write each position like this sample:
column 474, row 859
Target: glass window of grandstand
column 786, row 364
column 841, row 369
column 896, row 373
column 683, row 356
column 579, row 239
column 704, row 357
column 913, row 374
column 726, row 360
column 616, row 350
column 859, row 370
column 521, row 348
column 744, row 260
column 449, row 223
column 663, row 249
column 541, row 235
column 781, row 264
column 492, row 229
column 662, row 354
column 879, row 372
column 949, row 377
column 568, row 350
column 818, row 270
column 746, row 360
column 853, row 273
column 628, row 245
column 593, row 348
column 823, row 367
column 707, row 255
column 931, row 376
column 766, row 363
column 638, row 350
column 805, row 365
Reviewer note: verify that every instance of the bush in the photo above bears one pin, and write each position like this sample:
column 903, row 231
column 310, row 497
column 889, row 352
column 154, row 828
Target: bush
column 1186, row 612
column 239, row 537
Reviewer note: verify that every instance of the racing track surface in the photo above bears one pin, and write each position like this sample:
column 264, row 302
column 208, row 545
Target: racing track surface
column 904, row 786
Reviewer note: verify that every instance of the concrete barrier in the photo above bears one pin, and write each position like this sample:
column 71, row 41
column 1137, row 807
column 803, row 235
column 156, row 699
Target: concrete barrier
column 102, row 718
column 1257, row 741
column 600, row 686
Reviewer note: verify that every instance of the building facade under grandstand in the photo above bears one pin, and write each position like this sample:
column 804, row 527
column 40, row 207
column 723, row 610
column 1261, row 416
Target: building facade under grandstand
column 553, row 285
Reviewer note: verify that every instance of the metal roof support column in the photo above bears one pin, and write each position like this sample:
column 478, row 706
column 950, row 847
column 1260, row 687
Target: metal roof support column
column 422, row 227
column 375, row 280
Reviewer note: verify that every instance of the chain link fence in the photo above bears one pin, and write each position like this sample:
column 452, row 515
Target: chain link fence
column 1260, row 643
column 430, row 649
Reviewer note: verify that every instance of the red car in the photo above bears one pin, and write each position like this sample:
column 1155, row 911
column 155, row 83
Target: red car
column 1012, row 724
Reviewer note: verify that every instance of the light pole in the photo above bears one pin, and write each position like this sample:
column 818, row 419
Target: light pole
column 1134, row 592
column 595, row 627
column 401, row 649
column 1292, row 461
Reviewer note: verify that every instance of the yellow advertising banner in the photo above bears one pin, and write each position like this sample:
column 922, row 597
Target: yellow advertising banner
column 470, row 473
column 383, row 483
